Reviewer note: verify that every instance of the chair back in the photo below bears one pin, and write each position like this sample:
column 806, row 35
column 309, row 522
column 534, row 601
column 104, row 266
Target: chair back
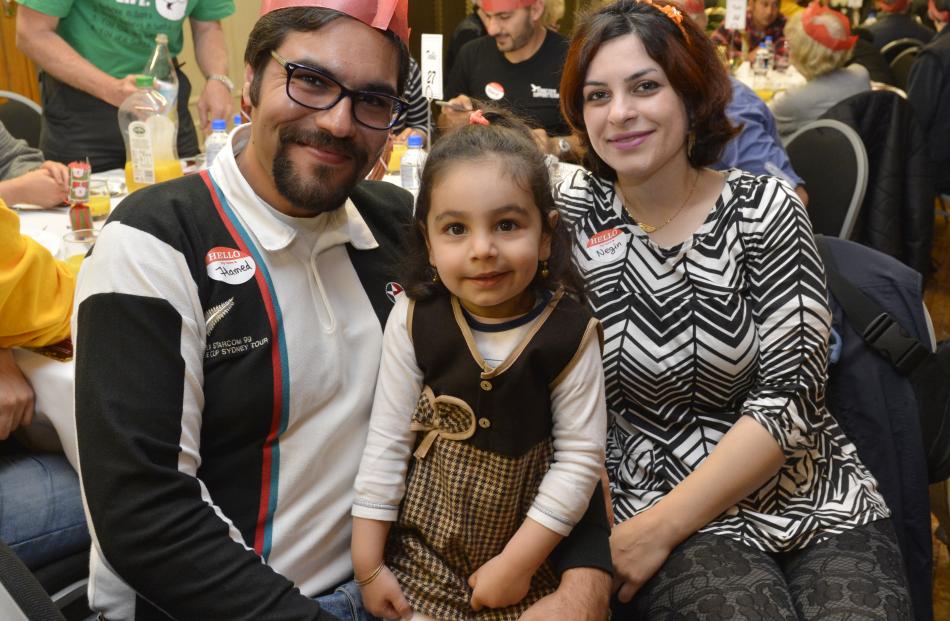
column 21, row 116
column 895, row 47
column 901, row 65
column 831, row 158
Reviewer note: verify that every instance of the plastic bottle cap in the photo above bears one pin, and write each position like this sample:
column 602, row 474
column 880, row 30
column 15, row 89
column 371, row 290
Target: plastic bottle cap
column 415, row 140
column 144, row 81
column 161, row 38
column 238, row 120
column 219, row 124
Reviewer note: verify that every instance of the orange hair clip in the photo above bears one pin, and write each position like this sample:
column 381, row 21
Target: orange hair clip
column 675, row 15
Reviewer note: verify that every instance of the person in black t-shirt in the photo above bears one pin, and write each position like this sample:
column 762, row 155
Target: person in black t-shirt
column 470, row 28
column 518, row 65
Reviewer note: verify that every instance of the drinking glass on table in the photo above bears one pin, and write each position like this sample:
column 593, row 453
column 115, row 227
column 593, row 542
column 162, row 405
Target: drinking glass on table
column 76, row 244
column 99, row 201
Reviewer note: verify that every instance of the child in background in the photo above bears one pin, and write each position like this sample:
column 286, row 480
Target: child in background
column 491, row 373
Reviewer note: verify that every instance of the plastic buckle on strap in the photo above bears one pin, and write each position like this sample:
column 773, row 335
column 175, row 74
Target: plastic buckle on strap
column 889, row 338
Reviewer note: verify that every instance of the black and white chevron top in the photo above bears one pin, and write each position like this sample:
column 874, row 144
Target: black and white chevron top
column 732, row 322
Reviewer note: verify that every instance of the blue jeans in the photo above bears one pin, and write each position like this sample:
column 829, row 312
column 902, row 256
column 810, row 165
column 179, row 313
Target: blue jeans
column 346, row 603
column 41, row 516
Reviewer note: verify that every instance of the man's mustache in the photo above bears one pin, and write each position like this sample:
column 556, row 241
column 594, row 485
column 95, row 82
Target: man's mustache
column 318, row 139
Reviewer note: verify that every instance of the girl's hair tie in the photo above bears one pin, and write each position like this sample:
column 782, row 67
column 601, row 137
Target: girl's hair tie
column 478, row 118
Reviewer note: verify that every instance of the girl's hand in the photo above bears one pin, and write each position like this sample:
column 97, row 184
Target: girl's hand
column 499, row 583
column 384, row 598
column 638, row 547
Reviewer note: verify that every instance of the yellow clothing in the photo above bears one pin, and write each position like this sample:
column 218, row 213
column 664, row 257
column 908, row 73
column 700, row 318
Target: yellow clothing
column 36, row 290
column 789, row 8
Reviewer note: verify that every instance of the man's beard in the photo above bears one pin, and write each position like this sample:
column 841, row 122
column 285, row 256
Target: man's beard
column 313, row 190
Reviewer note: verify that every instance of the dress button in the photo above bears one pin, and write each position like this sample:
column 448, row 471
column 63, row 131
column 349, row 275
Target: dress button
column 484, row 423
column 486, row 385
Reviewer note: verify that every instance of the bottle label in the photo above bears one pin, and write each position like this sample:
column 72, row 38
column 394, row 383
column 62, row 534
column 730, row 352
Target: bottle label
column 140, row 147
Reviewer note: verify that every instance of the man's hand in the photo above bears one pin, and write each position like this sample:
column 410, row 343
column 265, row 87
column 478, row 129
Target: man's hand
column 638, row 547
column 583, row 595
column 456, row 112
column 16, row 396
column 58, row 171
column 121, row 88
column 383, row 597
column 214, row 103
column 499, row 583
column 38, row 186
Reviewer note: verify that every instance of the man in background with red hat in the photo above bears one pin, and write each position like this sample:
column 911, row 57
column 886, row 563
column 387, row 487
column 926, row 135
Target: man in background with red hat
column 518, row 65
column 228, row 334
column 894, row 22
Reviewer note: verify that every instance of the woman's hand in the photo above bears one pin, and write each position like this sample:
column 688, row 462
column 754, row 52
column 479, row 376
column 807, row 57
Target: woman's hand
column 638, row 547
column 384, row 598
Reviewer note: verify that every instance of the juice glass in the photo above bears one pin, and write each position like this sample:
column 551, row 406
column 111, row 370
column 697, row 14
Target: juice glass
column 76, row 244
column 99, row 202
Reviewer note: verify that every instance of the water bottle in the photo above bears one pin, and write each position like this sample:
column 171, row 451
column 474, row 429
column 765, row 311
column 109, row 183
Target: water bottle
column 149, row 135
column 762, row 61
column 161, row 67
column 216, row 141
column 411, row 163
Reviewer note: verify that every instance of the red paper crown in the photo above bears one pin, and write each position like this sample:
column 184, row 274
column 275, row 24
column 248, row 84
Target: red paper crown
column 390, row 15
column 501, row 6
column 819, row 32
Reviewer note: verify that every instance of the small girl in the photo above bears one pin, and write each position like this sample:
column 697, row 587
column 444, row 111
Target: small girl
column 491, row 378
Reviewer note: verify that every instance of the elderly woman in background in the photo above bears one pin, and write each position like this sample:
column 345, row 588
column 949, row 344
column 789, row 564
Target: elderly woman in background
column 735, row 492
column 821, row 43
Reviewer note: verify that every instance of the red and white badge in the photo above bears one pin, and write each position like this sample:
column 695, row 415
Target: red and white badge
column 494, row 90
column 607, row 246
column 230, row 265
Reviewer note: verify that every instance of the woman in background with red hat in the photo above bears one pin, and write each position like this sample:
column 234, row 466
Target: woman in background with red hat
column 821, row 42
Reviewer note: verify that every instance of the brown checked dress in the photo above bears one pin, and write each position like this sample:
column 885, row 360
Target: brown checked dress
column 484, row 443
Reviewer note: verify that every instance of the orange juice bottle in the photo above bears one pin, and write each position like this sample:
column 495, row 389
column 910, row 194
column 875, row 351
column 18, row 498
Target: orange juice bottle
column 149, row 136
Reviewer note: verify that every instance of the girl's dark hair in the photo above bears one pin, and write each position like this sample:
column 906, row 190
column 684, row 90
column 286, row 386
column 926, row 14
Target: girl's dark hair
column 508, row 139
column 272, row 28
column 690, row 62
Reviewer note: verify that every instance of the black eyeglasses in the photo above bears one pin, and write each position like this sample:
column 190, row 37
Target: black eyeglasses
column 314, row 89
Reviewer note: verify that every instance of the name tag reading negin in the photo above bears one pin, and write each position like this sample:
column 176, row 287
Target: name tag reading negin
column 607, row 246
column 230, row 265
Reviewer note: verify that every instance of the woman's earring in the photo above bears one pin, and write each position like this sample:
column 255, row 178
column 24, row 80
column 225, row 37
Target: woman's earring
column 544, row 269
column 435, row 276
column 690, row 143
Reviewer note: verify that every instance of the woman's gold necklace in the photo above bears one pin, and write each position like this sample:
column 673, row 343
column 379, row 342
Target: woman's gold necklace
column 649, row 228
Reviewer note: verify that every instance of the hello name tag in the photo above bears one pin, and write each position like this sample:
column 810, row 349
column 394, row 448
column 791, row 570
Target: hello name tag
column 230, row 265
column 607, row 246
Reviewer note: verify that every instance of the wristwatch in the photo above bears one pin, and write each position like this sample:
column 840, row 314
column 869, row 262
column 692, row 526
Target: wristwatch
column 223, row 79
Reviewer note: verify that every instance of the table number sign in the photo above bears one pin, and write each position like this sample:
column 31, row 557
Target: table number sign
column 735, row 14
column 431, row 66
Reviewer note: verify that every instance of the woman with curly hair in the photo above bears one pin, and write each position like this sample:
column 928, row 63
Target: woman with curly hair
column 735, row 492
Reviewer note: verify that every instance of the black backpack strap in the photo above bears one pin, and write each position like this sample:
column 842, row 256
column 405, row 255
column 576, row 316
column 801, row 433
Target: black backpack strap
column 873, row 323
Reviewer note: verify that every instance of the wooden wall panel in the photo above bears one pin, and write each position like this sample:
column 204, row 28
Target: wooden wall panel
column 17, row 73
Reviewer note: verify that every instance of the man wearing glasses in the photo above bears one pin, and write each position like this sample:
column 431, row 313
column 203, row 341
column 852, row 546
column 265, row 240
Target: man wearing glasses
column 229, row 329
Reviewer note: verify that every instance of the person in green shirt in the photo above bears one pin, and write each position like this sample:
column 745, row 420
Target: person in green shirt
column 89, row 52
